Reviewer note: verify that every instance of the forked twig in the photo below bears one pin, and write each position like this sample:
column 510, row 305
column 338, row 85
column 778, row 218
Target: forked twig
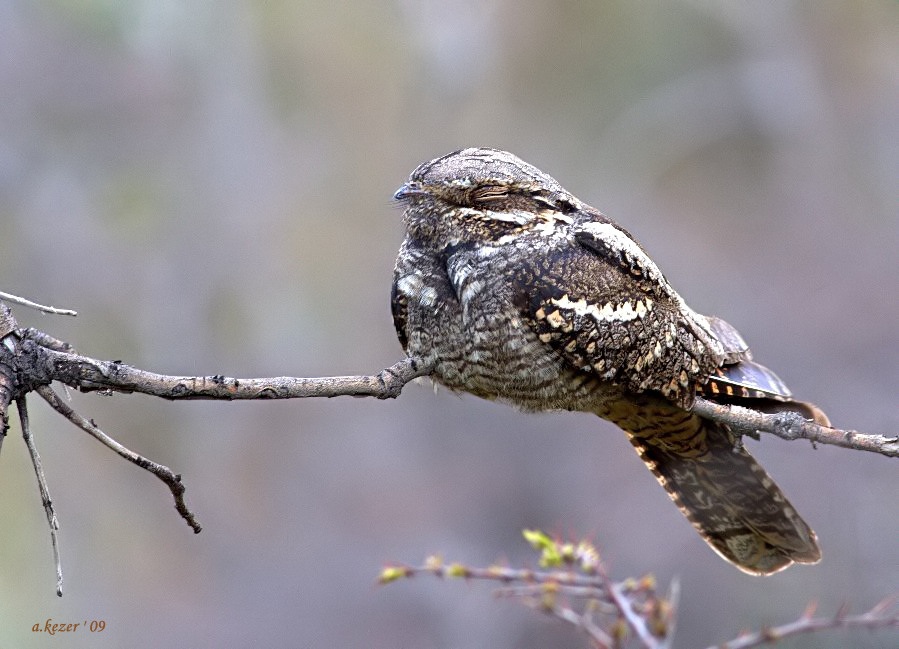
column 170, row 478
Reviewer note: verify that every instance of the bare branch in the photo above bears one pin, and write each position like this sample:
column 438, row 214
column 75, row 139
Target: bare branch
column 621, row 597
column 90, row 374
column 791, row 426
column 171, row 479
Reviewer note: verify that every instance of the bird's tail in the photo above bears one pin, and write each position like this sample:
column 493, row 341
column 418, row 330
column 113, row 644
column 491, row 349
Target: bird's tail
column 727, row 496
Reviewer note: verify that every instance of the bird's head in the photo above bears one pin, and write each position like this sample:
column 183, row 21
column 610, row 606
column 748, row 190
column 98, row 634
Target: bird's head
column 481, row 195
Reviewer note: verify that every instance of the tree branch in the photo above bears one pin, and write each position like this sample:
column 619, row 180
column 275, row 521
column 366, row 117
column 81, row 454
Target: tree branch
column 89, row 374
column 55, row 360
column 30, row 360
column 791, row 426
column 42, row 359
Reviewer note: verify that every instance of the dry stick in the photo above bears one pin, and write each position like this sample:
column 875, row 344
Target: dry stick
column 673, row 599
column 42, row 485
column 34, row 305
column 160, row 471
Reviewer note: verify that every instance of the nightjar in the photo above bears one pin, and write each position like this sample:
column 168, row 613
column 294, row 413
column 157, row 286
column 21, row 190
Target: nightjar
column 516, row 290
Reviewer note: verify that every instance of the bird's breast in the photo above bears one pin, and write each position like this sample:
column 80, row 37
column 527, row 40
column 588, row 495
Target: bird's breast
column 463, row 315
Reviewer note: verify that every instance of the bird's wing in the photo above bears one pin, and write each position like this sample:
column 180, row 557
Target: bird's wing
column 603, row 304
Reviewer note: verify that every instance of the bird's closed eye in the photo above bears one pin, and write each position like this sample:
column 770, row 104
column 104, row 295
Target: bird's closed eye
column 487, row 193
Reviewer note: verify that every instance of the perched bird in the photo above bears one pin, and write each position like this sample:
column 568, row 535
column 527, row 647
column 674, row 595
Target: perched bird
column 516, row 290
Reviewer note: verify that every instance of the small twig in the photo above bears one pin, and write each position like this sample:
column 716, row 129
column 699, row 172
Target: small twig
column 630, row 607
column 34, row 305
column 623, row 602
column 48, row 341
column 572, row 592
column 791, row 426
column 434, row 566
column 539, row 589
column 872, row 619
column 162, row 472
column 42, row 486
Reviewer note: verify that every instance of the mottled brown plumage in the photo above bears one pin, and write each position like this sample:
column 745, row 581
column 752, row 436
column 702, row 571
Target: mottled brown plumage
column 518, row 291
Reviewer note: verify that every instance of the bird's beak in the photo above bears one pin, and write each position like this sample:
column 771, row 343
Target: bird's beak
column 408, row 190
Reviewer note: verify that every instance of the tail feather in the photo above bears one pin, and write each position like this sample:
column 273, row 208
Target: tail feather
column 727, row 496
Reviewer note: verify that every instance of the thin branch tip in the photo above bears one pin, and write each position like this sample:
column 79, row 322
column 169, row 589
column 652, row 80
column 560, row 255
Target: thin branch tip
column 9, row 297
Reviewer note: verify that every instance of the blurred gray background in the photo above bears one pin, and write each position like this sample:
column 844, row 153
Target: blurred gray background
column 209, row 185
